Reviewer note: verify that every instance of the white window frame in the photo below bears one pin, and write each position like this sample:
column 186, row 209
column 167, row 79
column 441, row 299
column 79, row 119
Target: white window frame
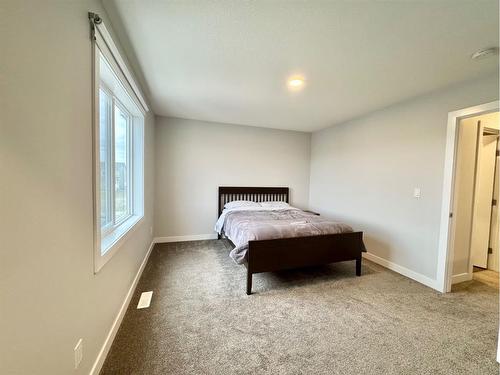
column 107, row 242
column 130, row 152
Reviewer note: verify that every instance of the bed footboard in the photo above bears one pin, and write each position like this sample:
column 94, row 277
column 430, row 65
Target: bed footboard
column 288, row 253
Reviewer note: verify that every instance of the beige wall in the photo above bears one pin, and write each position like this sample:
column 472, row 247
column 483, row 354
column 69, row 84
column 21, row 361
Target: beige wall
column 364, row 172
column 464, row 188
column 193, row 158
column 49, row 295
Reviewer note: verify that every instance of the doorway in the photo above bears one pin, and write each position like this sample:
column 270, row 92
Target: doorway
column 474, row 229
column 447, row 226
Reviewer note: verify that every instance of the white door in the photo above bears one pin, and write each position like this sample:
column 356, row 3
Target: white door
column 494, row 257
column 483, row 195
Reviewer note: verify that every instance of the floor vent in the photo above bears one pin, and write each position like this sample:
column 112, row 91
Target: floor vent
column 145, row 300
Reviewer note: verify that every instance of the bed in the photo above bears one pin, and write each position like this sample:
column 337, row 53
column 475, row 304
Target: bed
column 268, row 240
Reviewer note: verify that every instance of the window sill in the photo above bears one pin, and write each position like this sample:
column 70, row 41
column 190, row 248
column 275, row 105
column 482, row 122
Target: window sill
column 115, row 239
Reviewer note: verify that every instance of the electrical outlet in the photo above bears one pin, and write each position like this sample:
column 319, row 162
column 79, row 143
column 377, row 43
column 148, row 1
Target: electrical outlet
column 78, row 353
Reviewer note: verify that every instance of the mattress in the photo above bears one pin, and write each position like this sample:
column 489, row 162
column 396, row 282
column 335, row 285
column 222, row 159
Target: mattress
column 245, row 224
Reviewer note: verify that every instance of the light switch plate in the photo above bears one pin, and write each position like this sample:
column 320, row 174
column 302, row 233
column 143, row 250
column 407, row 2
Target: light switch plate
column 145, row 300
column 416, row 192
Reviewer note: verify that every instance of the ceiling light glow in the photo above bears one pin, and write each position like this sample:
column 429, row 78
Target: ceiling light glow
column 296, row 83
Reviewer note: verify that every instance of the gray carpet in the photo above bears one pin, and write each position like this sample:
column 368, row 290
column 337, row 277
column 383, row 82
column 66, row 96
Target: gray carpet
column 321, row 320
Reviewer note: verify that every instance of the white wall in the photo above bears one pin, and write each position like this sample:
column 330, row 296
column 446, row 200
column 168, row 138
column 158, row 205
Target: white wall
column 194, row 158
column 49, row 295
column 364, row 172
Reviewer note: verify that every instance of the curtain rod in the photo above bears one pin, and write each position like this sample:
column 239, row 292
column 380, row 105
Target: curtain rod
column 94, row 19
column 96, row 25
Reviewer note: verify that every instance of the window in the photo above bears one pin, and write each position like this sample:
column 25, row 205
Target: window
column 115, row 128
column 118, row 150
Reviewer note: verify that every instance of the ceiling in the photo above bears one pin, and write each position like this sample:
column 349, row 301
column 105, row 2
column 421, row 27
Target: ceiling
column 228, row 61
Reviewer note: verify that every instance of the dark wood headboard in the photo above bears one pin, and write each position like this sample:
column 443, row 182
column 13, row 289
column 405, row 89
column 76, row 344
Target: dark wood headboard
column 255, row 194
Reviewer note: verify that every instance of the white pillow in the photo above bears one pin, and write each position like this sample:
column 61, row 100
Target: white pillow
column 238, row 204
column 275, row 204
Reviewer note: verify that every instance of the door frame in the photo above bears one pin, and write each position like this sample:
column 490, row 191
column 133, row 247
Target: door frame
column 445, row 255
column 481, row 132
column 496, row 229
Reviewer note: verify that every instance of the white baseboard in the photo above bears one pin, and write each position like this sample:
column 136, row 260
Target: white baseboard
column 194, row 237
column 96, row 368
column 431, row 283
column 461, row 277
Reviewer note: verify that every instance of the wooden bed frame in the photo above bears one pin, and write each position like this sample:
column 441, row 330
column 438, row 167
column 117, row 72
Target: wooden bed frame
column 287, row 253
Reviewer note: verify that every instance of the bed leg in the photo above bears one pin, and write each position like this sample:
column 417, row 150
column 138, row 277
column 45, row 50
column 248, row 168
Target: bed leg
column 358, row 266
column 249, row 283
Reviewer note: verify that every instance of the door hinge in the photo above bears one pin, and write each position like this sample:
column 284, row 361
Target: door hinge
column 494, row 202
column 490, row 250
column 498, row 152
column 451, row 215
